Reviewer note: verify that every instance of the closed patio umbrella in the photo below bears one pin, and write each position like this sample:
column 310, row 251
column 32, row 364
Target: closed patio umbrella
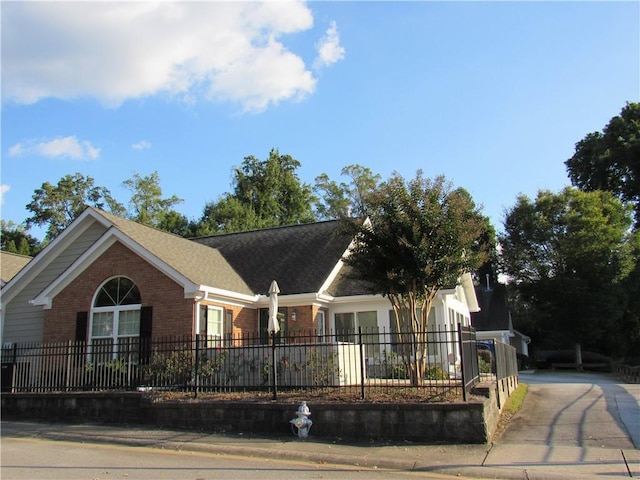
column 273, row 326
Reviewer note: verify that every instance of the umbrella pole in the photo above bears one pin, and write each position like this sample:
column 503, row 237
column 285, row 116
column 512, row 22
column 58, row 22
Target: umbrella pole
column 274, row 384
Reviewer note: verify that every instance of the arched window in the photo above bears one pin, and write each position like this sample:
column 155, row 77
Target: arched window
column 115, row 319
column 117, row 291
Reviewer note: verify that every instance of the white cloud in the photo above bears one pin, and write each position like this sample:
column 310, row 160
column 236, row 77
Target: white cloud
column 3, row 189
column 114, row 51
column 16, row 150
column 329, row 49
column 141, row 145
column 64, row 147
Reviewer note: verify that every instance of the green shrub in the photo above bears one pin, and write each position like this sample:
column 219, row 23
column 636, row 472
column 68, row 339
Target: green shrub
column 484, row 361
column 435, row 373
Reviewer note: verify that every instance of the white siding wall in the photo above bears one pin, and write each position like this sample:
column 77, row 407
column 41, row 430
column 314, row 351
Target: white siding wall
column 23, row 322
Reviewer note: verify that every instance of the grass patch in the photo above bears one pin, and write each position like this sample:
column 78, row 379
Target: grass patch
column 514, row 402
column 511, row 407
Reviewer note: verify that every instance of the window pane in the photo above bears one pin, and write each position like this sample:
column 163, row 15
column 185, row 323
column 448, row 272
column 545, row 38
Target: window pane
column 345, row 327
column 320, row 324
column 128, row 349
column 368, row 322
column 129, row 323
column 101, row 350
column 128, row 293
column 102, row 325
column 104, row 298
column 214, row 322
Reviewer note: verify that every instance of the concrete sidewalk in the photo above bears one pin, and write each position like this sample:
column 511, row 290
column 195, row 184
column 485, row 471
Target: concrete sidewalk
column 504, row 461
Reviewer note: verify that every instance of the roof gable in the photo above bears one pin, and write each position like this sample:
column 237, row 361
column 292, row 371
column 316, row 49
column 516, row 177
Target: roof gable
column 199, row 264
column 299, row 257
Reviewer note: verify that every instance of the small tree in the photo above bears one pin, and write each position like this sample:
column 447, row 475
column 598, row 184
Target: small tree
column 422, row 237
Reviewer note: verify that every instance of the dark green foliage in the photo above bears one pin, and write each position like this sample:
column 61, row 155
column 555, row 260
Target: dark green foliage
column 265, row 194
column 58, row 205
column 346, row 199
column 610, row 160
column 15, row 239
column 567, row 256
column 423, row 236
column 148, row 207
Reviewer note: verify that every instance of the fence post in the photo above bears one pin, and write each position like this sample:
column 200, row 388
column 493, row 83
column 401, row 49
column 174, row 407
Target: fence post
column 129, row 366
column 461, row 349
column 196, row 365
column 14, row 364
column 361, row 352
column 67, row 379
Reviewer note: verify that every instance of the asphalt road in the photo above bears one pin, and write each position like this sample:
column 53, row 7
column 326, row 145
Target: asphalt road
column 566, row 408
column 571, row 426
column 38, row 459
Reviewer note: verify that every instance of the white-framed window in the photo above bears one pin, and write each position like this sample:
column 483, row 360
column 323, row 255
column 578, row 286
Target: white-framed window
column 115, row 320
column 320, row 325
column 348, row 323
column 212, row 325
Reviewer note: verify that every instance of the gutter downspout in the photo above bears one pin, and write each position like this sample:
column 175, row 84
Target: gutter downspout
column 200, row 296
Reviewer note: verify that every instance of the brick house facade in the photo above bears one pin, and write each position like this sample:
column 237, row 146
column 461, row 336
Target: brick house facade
column 179, row 283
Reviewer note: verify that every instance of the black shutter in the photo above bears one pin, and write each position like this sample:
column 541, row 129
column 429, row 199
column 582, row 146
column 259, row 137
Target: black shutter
column 82, row 328
column 82, row 325
column 146, row 315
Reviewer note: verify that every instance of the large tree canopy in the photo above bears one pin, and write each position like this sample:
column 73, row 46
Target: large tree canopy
column 422, row 237
column 148, row 207
column 58, row 205
column 349, row 199
column 610, row 160
column 266, row 193
column 567, row 255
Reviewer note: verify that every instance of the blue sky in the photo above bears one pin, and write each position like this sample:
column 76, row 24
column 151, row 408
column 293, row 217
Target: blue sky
column 493, row 95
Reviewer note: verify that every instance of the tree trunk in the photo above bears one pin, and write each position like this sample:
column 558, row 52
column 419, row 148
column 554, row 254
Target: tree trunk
column 578, row 352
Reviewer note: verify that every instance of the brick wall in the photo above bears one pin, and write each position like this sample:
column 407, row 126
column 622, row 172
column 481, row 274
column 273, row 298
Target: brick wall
column 172, row 313
column 245, row 320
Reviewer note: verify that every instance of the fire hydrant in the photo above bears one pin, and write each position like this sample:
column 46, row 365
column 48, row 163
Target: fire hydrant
column 302, row 424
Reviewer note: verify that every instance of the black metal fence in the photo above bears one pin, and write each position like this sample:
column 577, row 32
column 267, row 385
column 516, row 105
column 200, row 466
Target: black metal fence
column 359, row 361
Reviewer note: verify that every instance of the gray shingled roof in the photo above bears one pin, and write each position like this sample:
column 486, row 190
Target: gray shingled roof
column 344, row 286
column 11, row 264
column 494, row 310
column 200, row 264
column 299, row 257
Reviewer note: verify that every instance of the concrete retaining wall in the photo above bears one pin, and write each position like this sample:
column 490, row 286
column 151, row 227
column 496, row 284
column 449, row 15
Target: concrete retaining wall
column 465, row 422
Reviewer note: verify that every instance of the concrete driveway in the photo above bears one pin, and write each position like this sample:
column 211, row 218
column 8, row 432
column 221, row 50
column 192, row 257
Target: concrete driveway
column 577, row 409
column 571, row 419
